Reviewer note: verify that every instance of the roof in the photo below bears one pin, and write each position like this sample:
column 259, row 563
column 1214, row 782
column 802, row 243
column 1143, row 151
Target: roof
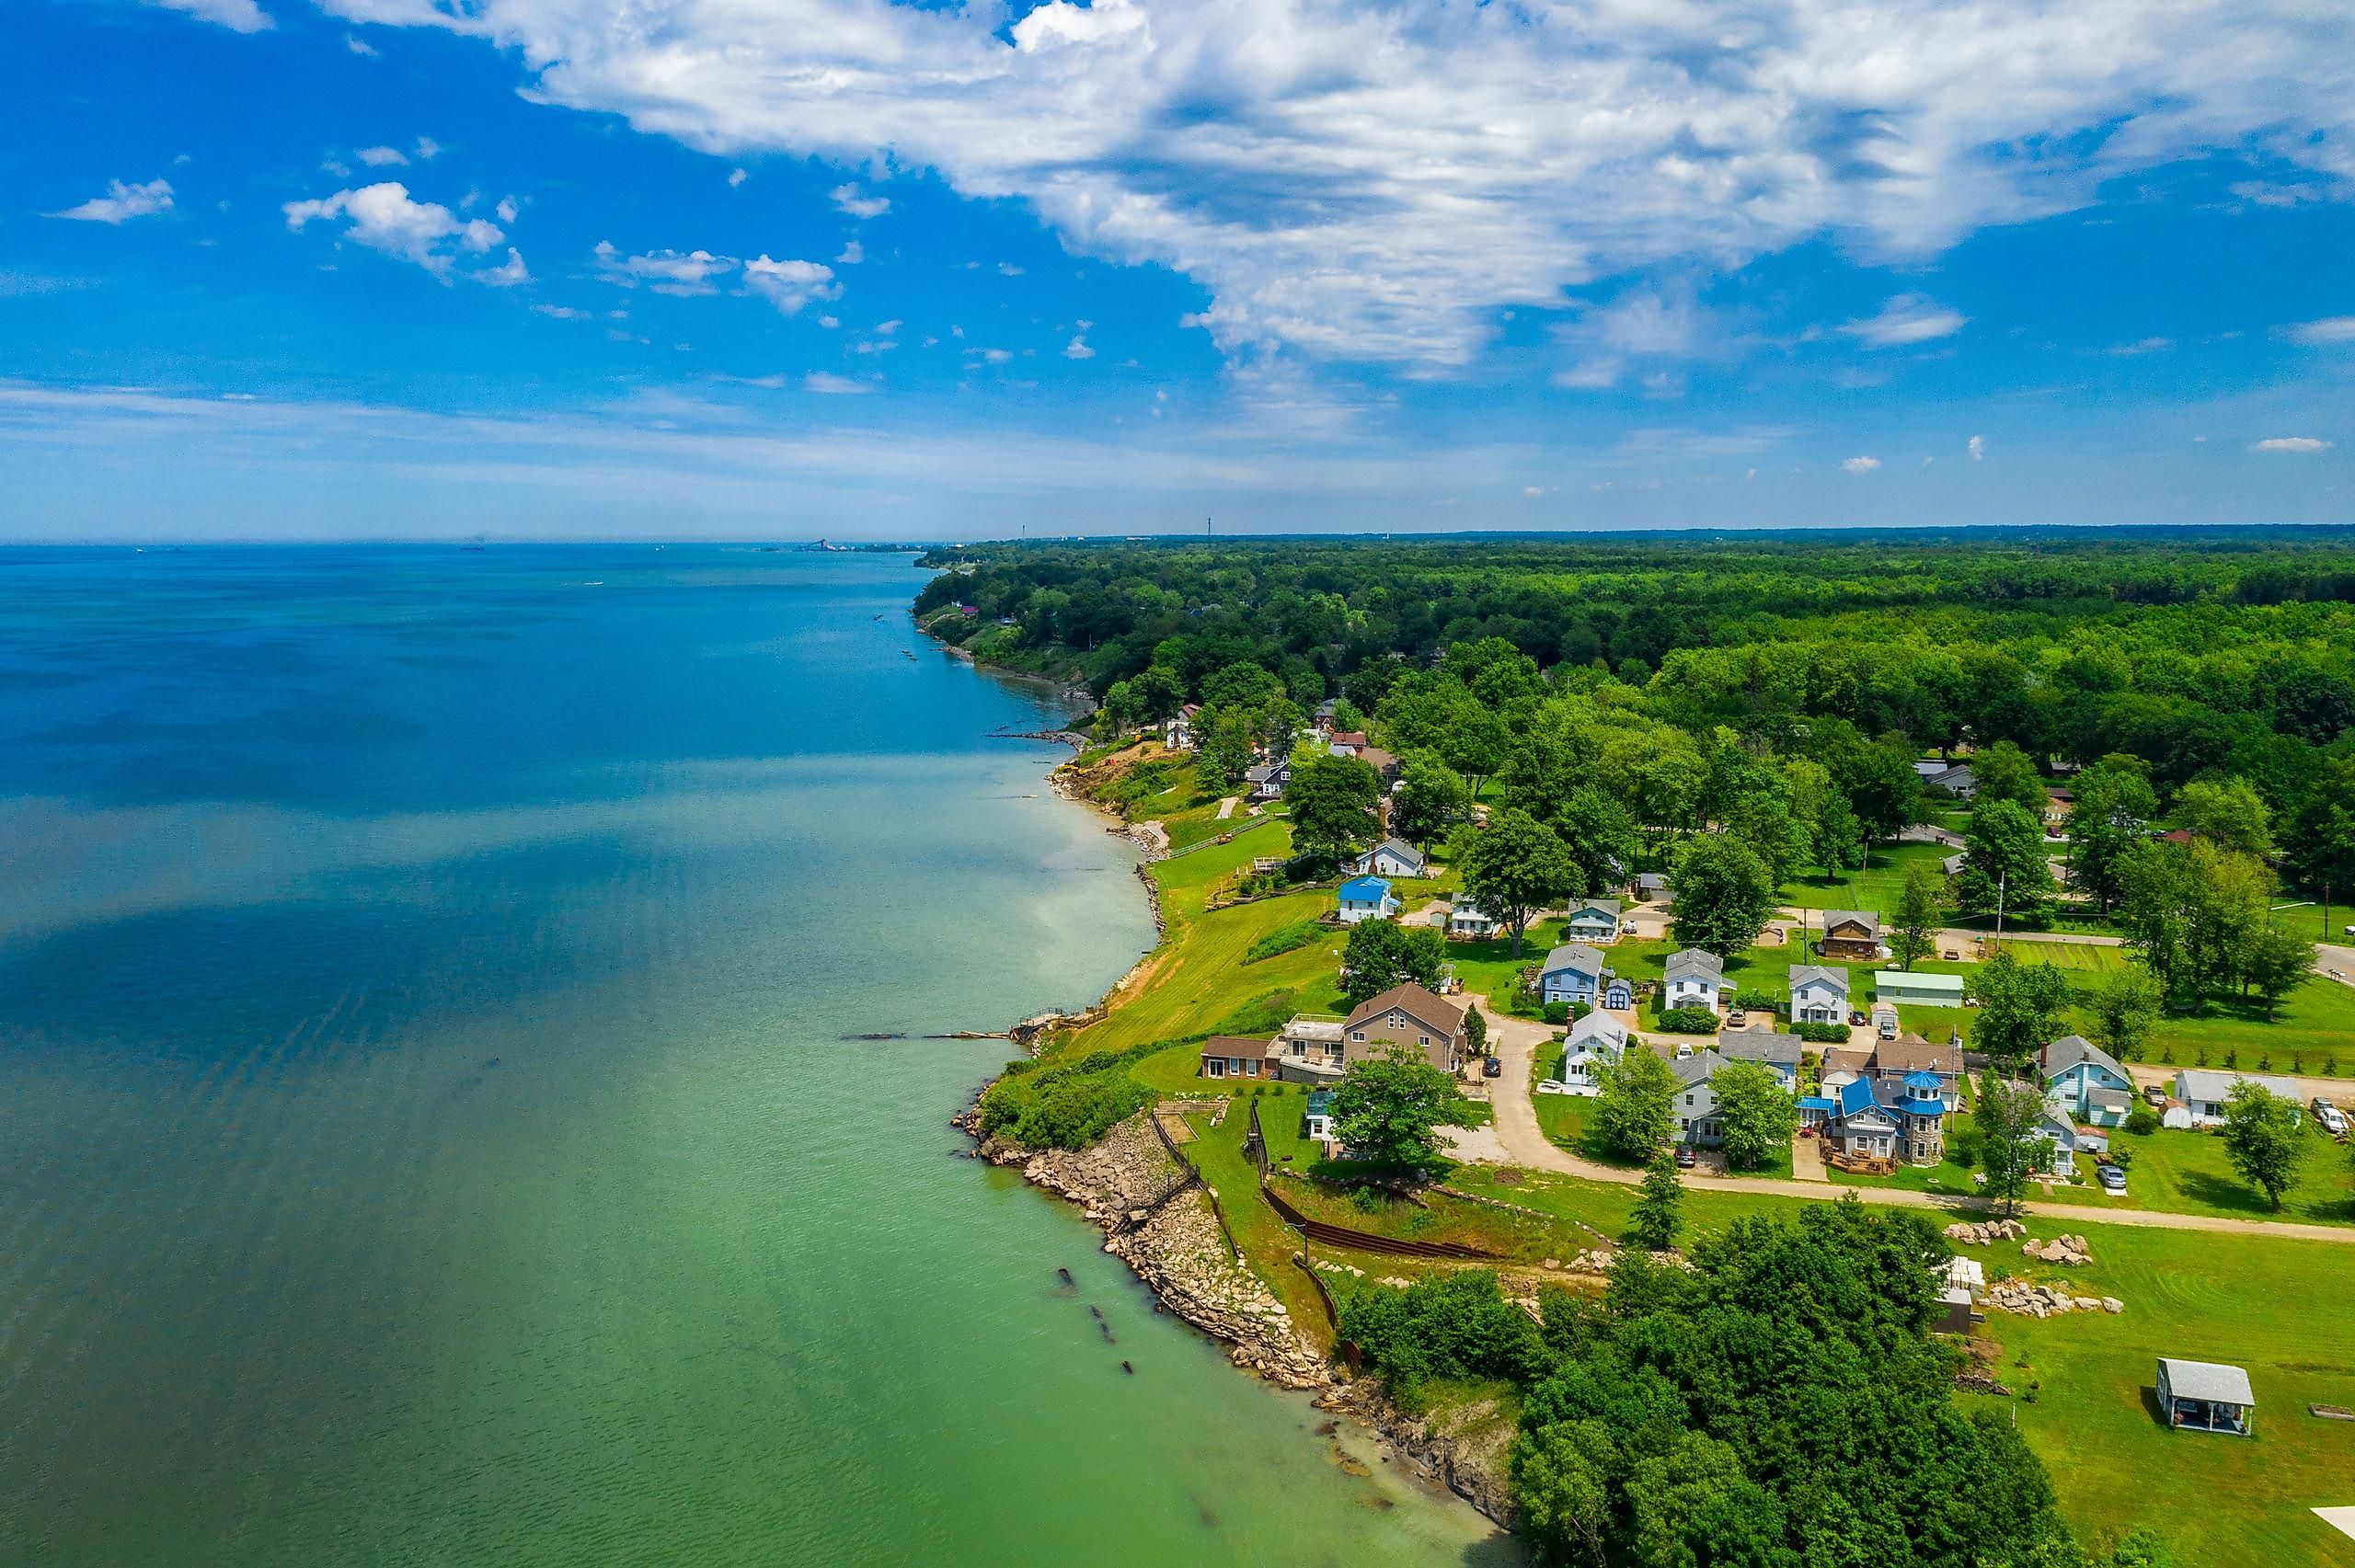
column 1576, row 955
column 1928, row 1081
column 1595, row 1023
column 1881, row 1007
column 1365, row 889
column 1701, row 1066
column 2072, row 1051
column 1802, row 973
column 1692, row 961
column 1609, row 907
column 1262, row 773
column 1313, row 1029
column 2211, row 1380
column 1908, row 1055
column 2192, row 1083
column 1398, row 847
column 1818, row 1103
column 1349, row 738
column 1918, row 984
column 1233, row 1045
column 1762, row 1045
column 1865, row 917
column 1374, row 756
column 1844, row 1058
column 1651, row 882
column 1857, row 1098
column 1417, row 1003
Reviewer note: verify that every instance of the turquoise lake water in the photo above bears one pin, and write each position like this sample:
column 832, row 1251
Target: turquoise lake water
column 427, row 1132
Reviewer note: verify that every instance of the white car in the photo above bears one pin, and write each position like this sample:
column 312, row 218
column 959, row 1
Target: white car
column 2333, row 1119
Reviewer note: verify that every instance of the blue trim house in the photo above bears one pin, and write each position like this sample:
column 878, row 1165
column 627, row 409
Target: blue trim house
column 2085, row 1084
column 1882, row 1119
column 1572, row 972
column 1365, row 899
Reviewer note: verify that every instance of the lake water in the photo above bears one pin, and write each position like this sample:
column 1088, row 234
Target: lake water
column 427, row 1132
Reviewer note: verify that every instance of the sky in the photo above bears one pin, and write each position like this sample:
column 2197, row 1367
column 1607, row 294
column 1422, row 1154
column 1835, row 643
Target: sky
column 783, row 269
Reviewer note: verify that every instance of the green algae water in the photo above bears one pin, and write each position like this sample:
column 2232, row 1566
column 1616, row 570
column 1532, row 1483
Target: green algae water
column 429, row 1128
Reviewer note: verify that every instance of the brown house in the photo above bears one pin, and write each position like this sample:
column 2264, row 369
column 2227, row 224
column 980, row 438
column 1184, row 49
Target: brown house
column 1231, row 1056
column 1410, row 1016
column 1851, row 934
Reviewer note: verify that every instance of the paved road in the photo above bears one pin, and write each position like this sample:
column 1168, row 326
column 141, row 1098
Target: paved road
column 1515, row 1042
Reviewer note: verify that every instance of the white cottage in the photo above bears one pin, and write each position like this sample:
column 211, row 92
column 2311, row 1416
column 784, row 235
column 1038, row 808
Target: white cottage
column 1819, row 994
column 1693, row 978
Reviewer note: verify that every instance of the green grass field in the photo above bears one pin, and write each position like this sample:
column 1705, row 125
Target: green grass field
column 2187, row 1173
column 1875, row 887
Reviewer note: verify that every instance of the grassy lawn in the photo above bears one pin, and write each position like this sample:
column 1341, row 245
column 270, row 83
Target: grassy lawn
column 1952, row 1181
column 2187, row 1173
column 1874, row 888
column 2317, row 1021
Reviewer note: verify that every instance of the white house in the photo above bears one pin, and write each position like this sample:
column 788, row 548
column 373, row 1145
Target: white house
column 1819, row 994
column 1693, row 978
column 2085, row 1084
column 1391, row 857
column 1594, row 1041
column 1593, row 919
column 1178, row 729
column 1572, row 972
column 1467, row 922
column 1365, row 899
column 2203, row 1094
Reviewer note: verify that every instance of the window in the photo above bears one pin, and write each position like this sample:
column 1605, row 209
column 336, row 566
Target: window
column 1427, row 1039
column 1215, row 1067
column 1357, row 1034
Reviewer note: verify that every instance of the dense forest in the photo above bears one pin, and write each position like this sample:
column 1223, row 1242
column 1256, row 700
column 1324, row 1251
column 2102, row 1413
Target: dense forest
column 2216, row 658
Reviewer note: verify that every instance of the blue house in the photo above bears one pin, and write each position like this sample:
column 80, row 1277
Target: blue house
column 2085, row 1084
column 1572, row 972
column 1365, row 899
column 1882, row 1119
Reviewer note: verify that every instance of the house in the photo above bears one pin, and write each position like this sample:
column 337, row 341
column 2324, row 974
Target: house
column 1593, row 919
column 1230, row 1056
column 1469, row 922
column 1779, row 1054
column 1345, row 742
column 1693, row 978
column 1853, row 1121
column 1308, row 1052
column 2206, row 1396
column 1868, row 1117
column 1317, row 1121
column 1695, row 1100
column 2085, row 1084
column 1842, row 1064
column 1851, row 934
column 1957, row 781
column 1365, row 899
column 1952, row 865
column 1904, row 988
column 1267, row 780
column 1322, row 719
column 1410, row 1016
column 1649, row 887
column 1391, row 857
column 1178, row 729
column 1819, row 995
column 1384, row 765
column 2061, row 1145
column 1572, row 972
column 2203, row 1094
column 1884, row 1020
column 1594, row 1042
column 1896, row 1063
column 2058, row 805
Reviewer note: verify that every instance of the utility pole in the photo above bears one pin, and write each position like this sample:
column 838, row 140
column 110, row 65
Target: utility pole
column 2002, row 879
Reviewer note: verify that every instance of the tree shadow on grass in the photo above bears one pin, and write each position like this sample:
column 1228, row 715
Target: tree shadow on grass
column 2218, row 1192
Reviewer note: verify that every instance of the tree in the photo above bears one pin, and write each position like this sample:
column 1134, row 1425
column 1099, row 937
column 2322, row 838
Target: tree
column 2228, row 813
column 1221, row 748
column 2263, row 1141
column 1882, row 788
column 2020, row 1008
column 1634, row 1118
column 1600, row 834
column 1515, row 867
column 2003, row 772
column 2319, row 839
column 2003, row 862
column 1388, row 1109
column 1428, row 798
column 2115, row 804
column 1241, row 686
column 1561, row 1478
column 2009, row 1118
column 2275, row 961
column 1920, row 910
column 1332, row 800
column 2123, row 1010
column 1381, row 953
column 1474, row 743
column 1757, row 1115
column 1475, row 1031
column 1658, row 1213
column 1725, row 896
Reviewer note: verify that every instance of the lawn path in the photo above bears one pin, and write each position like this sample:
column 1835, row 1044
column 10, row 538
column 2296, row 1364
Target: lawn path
column 1516, row 1041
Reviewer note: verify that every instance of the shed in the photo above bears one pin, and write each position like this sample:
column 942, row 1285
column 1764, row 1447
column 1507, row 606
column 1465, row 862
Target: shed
column 2206, row 1396
column 1908, row 989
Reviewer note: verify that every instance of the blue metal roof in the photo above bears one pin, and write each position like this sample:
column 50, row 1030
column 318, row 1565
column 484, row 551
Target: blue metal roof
column 1365, row 889
column 1857, row 1095
column 1320, row 1101
column 1817, row 1103
column 1929, row 1081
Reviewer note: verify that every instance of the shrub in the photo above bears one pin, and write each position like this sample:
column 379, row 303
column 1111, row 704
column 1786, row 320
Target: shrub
column 1283, row 939
column 1962, row 1147
column 1822, row 1034
column 1454, row 1325
column 1688, row 1021
column 1557, row 1013
column 2121, row 1157
column 1065, row 1107
column 1577, row 1011
column 1749, row 997
column 2142, row 1121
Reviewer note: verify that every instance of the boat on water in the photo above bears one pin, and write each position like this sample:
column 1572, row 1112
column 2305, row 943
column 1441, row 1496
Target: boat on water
column 910, row 652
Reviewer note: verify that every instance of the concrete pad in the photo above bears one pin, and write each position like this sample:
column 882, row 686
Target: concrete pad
column 2340, row 1520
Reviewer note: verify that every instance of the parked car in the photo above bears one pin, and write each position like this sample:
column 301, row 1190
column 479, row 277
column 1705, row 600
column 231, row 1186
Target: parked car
column 2156, row 1095
column 1626, row 928
column 1683, row 1156
column 1492, row 1067
column 1951, row 957
column 2112, row 1179
column 2333, row 1119
column 1859, row 1018
column 1737, row 1018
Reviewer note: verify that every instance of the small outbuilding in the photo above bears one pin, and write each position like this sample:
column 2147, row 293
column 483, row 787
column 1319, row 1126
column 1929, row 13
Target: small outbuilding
column 2206, row 1396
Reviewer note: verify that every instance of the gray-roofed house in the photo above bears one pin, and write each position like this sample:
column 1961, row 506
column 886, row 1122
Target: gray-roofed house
column 2087, row 1084
column 2203, row 1094
column 1391, row 857
column 1572, row 972
column 1693, row 978
column 1268, row 779
column 1779, row 1054
column 1593, row 1042
column 2206, row 1396
column 1593, row 919
column 1819, row 994
column 1694, row 1104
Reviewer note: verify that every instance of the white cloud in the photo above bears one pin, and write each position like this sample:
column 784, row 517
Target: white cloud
column 1376, row 182
column 789, row 285
column 1860, row 465
column 238, row 15
column 506, row 209
column 508, row 274
column 853, row 254
column 889, row 328
column 123, row 202
column 1976, row 447
column 359, row 46
column 736, row 178
column 1077, row 348
column 2329, row 330
column 683, row 275
column 849, row 199
column 428, row 148
column 2291, row 443
column 381, row 157
column 384, row 217
column 995, row 356
column 562, row 313
column 1908, row 319
column 1008, row 269
column 2140, row 346
column 830, row 322
column 827, row 382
